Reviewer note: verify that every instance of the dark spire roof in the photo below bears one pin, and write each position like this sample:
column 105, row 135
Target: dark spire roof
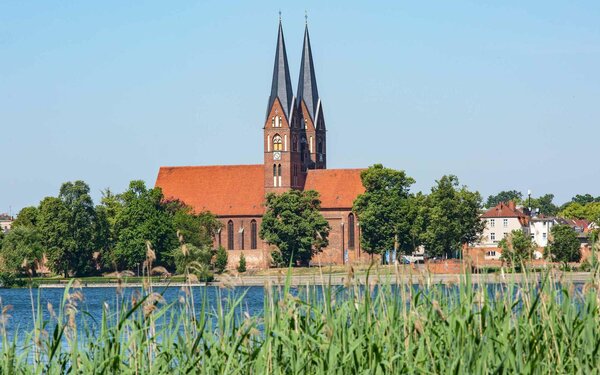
column 307, row 83
column 282, row 84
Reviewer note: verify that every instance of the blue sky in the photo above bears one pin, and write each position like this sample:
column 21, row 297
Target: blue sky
column 503, row 94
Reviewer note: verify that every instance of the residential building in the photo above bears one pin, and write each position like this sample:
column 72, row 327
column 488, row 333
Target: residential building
column 5, row 222
column 500, row 221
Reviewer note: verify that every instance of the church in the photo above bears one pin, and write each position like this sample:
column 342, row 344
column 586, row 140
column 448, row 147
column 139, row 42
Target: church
column 295, row 157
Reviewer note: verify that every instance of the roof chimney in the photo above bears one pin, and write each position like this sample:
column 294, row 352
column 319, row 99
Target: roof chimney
column 511, row 205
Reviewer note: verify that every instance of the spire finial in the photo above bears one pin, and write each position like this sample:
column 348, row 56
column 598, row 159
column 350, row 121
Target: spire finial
column 305, row 17
column 279, row 15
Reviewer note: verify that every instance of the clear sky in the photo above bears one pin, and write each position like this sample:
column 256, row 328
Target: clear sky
column 506, row 95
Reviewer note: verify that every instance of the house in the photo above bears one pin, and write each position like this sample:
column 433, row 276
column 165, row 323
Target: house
column 500, row 221
column 6, row 222
column 539, row 228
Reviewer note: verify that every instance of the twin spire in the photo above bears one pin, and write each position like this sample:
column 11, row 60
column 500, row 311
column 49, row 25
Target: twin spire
column 281, row 86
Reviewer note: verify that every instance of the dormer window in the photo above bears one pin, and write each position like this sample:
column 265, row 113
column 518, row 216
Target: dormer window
column 277, row 143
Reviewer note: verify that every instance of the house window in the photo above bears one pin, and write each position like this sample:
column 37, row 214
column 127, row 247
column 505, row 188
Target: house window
column 505, row 223
column 544, row 236
column 253, row 234
column 230, row 235
column 277, row 142
column 493, row 237
column 351, row 231
column 491, row 253
column 492, row 223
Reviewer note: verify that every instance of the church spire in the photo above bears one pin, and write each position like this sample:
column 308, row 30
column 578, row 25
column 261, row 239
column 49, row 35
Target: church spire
column 281, row 87
column 307, row 83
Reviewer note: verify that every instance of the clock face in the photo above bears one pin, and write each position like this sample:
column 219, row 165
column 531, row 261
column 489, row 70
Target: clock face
column 277, row 155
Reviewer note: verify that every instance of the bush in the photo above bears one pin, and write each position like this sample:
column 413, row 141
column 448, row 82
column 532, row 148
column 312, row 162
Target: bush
column 242, row 266
column 221, row 260
column 188, row 254
column 277, row 259
column 10, row 280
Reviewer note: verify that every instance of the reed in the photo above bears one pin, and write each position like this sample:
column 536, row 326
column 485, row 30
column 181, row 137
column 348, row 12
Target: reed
column 540, row 324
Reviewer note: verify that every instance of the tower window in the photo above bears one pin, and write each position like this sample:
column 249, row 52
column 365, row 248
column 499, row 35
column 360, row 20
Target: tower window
column 294, row 143
column 311, row 144
column 279, row 174
column 277, row 142
column 274, row 175
column 351, row 231
column 253, row 234
column 320, row 146
column 230, row 235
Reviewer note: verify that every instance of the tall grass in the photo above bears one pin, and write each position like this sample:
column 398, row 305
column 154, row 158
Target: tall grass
column 538, row 325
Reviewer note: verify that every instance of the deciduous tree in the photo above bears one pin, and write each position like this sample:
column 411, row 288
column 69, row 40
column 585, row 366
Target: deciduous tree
column 294, row 224
column 564, row 246
column 504, row 196
column 517, row 247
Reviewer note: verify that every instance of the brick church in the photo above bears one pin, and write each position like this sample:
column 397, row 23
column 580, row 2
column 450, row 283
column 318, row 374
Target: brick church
column 295, row 157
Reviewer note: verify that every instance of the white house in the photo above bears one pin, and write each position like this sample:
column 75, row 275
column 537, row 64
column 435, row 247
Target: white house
column 500, row 221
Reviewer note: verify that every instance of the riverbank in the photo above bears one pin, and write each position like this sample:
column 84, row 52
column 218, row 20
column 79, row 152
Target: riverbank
column 339, row 279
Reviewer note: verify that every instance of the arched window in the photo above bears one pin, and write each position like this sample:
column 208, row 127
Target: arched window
column 351, row 231
column 230, row 235
column 253, row 233
column 219, row 240
column 241, row 238
column 319, row 146
column 277, row 142
column 279, row 174
column 274, row 175
column 311, row 144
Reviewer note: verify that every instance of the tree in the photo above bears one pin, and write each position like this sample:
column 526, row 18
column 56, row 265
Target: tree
column 221, row 260
column 564, row 246
column 242, row 265
column 197, row 229
column 385, row 215
column 452, row 218
column 143, row 217
column 22, row 250
column 584, row 199
column 190, row 258
column 574, row 210
column 504, row 196
column 26, row 217
column 517, row 247
column 53, row 223
column 293, row 222
column 544, row 204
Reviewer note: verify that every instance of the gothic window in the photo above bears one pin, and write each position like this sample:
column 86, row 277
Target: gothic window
column 279, row 174
column 311, row 144
column 276, row 123
column 273, row 122
column 277, row 142
column 253, row 234
column 320, row 146
column 274, row 175
column 351, row 231
column 241, row 238
column 219, row 238
column 230, row 235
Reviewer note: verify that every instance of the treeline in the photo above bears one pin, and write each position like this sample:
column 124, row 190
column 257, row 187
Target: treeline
column 581, row 206
column 391, row 217
column 78, row 238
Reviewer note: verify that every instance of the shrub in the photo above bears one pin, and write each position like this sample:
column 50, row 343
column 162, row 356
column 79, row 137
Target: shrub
column 242, row 266
column 277, row 259
column 187, row 254
column 221, row 260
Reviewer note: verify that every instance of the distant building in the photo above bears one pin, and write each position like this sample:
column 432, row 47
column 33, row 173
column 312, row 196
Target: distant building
column 6, row 222
column 500, row 221
column 539, row 228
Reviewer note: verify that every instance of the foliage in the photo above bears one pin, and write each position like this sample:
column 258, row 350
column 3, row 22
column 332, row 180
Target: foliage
column 277, row 259
column 544, row 204
column 585, row 199
column 221, row 260
column 535, row 326
column 188, row 255
column 504, row 196
column 22, row 250
column 143, row 217
column 564, row 246
column 294, row 224
column 589, row 211
column 196, row 229
column 242, row 265
column 517, row 247
column 26, row 217
column 384, row 212
column 10, row 280
column 452, row 218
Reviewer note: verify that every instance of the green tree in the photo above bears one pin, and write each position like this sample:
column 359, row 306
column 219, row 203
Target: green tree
column 242, row 265
column 384, row 211
column 564, row 246
column 584, row 199
column 452, row 218
column 110, row 206
column 221, row 260
column 544, row 204
column 574, row 210
column 517, row 247
column 192, row 259
column 197, row 229
column 143, row 217
column 504, row 196
column 22, row 250
column 26, row 217
column 53, row 222
column 293, row 222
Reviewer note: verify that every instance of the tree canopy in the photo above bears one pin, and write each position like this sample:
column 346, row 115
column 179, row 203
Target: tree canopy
column 504, row 196
column 384, row 210
column 517, row 247
column 564, row 246
column 293, row 222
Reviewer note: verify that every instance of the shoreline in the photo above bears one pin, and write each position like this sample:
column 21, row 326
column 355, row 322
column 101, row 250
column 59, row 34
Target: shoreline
column 339, row 279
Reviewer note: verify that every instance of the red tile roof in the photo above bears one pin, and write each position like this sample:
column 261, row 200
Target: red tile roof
column 503, row 210
column 338, row 187
column 223, row 190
